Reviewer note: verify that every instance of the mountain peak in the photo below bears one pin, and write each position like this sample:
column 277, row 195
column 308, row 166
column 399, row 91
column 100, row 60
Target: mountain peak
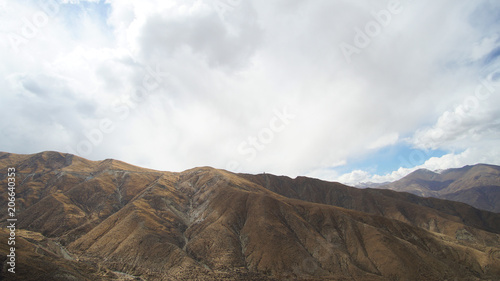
column 211, row 224
column 423, row 171
column 477, row 185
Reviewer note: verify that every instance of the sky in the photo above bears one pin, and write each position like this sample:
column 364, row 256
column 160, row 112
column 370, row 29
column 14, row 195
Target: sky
column 351, row 91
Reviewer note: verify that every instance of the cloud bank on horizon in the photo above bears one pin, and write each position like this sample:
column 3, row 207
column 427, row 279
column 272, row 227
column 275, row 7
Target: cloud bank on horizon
column 353, row 91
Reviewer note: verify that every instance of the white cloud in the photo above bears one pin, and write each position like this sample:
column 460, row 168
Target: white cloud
column 78, row 1
column 484, row 47
column 353, row 177
column 184, row 85
column 383, row 141
column 474, row 120
column 471, row 156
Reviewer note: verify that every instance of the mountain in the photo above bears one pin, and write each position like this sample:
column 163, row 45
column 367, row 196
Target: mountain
column 370, row 184
column 108, row 220
column 477, row 185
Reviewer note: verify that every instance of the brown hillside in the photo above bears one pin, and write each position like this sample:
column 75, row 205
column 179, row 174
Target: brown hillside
column 477, row 185
column 110, row 220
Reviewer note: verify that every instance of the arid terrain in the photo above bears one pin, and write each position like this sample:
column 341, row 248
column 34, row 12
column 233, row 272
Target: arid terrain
column 476, row 185
column 108, row 220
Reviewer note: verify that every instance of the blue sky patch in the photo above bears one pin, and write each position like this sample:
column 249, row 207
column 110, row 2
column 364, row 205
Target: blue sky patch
column 389, row 159
column 73, row 13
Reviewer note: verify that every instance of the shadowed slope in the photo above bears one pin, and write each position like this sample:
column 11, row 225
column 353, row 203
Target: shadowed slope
column 427, row 213
column 207, row 224
column 477, row 185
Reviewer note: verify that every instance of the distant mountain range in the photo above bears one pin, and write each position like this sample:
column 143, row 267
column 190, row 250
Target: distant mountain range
column 109, row 220
column 477, row 185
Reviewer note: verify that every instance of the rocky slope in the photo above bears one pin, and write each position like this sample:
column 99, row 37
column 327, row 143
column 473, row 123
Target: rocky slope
column 108, row 220
column 477, row 185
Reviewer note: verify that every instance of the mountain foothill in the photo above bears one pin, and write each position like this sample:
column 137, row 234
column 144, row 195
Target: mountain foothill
column 108, row 220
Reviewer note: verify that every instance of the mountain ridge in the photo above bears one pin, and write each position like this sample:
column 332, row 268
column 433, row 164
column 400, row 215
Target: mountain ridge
column 477, row 185
column 113, row 221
